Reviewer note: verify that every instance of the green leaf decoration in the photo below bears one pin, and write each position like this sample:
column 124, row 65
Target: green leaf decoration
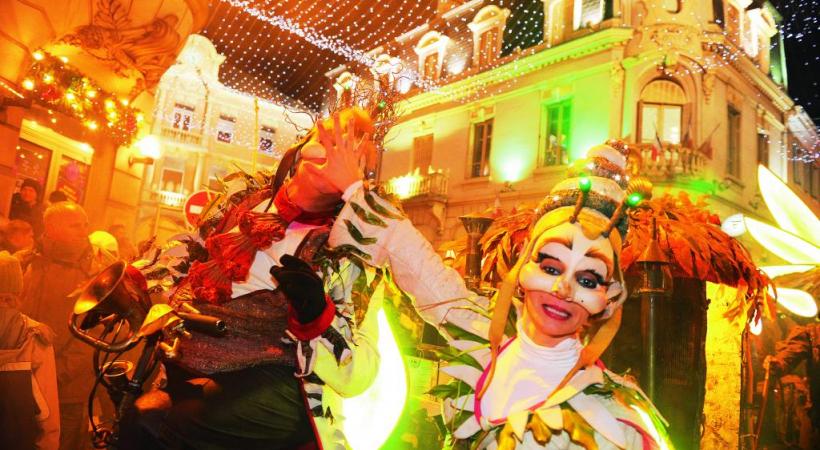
column 357, row 235
column 458, row 333
column 378, row 208
column 366, row 216
column 455, row 356
column 454, row 389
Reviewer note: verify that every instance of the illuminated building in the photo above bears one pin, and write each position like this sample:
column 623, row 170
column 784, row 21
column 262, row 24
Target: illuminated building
column 206, row 131
column 501, row 98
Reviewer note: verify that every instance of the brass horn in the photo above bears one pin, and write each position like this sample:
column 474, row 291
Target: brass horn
column 111, row 297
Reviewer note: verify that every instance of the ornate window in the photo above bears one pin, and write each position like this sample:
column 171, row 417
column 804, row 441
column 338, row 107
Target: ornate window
column 385, row 69
column 488, row 31
column 661, row 112
column 556, row 122
column 431, row 50
column 482, row 143
column 183, row 115
column 225, row 128
column 266, row 138
column 733, row 142
column 587, row 12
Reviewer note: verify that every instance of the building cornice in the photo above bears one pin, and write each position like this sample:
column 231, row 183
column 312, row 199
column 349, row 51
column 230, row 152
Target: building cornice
column 516, row 65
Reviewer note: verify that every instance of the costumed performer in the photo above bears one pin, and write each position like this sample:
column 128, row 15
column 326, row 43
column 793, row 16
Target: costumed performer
column 297, row 341
column 529, row 377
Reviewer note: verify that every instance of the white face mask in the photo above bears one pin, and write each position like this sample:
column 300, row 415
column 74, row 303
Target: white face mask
column 568, row 264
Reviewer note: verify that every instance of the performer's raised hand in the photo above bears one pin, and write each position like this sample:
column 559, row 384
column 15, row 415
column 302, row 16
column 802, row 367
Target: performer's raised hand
column 330, row 166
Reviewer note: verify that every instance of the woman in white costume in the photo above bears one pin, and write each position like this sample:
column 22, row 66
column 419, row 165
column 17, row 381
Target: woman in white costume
column 528, row 376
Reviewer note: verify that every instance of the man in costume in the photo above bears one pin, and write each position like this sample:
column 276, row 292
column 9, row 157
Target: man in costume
column 298, row 338
column 529, row 377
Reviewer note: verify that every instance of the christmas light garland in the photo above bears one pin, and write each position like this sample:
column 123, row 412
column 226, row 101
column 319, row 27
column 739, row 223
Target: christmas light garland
column 54, row 84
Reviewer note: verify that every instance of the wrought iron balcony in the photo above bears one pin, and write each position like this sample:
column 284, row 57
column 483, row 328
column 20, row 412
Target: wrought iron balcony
column 182, row 136
column 414, row 184
column 670, row 163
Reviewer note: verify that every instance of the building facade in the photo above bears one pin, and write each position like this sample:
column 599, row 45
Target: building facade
column 203, row 131
column 503, row 95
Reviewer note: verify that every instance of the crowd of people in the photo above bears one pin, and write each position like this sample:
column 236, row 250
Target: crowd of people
column 46, row 253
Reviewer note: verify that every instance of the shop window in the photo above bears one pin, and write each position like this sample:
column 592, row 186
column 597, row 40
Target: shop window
column 72, row 179
column 661, row 112
column 556, row 134
column 32, row 161
column 733, row 144
column 183, row 116
column 423, row 152
column 266, row 139
column 482, row 143
column 225, row 127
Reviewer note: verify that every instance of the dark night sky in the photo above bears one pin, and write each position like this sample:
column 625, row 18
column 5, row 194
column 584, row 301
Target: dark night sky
column 800, row 31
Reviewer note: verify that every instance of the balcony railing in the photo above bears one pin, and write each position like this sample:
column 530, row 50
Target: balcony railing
column 671, row 162
column 182, row 136
column 415, row 184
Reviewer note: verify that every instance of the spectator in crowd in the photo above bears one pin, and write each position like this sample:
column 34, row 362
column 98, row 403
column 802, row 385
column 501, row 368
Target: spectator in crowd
column 16, row 236
column 26, row 205
column 128, row 251
column 59, row 264
column 29, row 411
column 57, row 197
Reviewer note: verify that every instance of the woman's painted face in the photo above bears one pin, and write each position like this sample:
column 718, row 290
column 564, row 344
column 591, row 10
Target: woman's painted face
column 567, row 279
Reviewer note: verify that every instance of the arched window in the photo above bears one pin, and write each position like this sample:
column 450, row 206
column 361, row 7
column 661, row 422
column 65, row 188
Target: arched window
column 587, row 12
column 661, row 112
column 488, row 31
column 430, row 50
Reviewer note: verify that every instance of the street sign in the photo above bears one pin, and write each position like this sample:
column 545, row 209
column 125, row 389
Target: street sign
column 195, row 204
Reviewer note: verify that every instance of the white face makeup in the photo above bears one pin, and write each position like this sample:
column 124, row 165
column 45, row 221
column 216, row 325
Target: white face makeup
column 569, row 266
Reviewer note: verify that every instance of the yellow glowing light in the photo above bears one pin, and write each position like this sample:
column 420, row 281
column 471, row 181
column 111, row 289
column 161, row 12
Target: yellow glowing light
column 91, row 93
column 47, row 78
column 790, row 212
column 405, row 186
column 92, row 125
column 70, row 96
column 53, row 120
column 112, row 115
column 149, row 147
column 776, row 271
column 38, row 55
column 64, row 59
column 28, row 84
column 371, row 416
column 797, row 301
column 124, row 102
column 109, row 104
column 140, row 117
column 783, row 244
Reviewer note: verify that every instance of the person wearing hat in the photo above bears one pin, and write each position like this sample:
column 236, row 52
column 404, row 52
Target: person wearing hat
column 29, row 410
column 26, row 205
column 529, row 374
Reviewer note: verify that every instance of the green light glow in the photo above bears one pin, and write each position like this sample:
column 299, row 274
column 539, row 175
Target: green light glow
column 634, row 200
column 787, row 208
column 584, row 184
column 371, row 416
column 784, row 245
column 511, row 164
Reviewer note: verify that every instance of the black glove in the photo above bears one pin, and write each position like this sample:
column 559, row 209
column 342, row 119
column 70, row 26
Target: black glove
column 302, row 286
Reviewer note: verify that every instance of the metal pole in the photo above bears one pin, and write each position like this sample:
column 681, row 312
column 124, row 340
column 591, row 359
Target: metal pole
column 648, row 306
